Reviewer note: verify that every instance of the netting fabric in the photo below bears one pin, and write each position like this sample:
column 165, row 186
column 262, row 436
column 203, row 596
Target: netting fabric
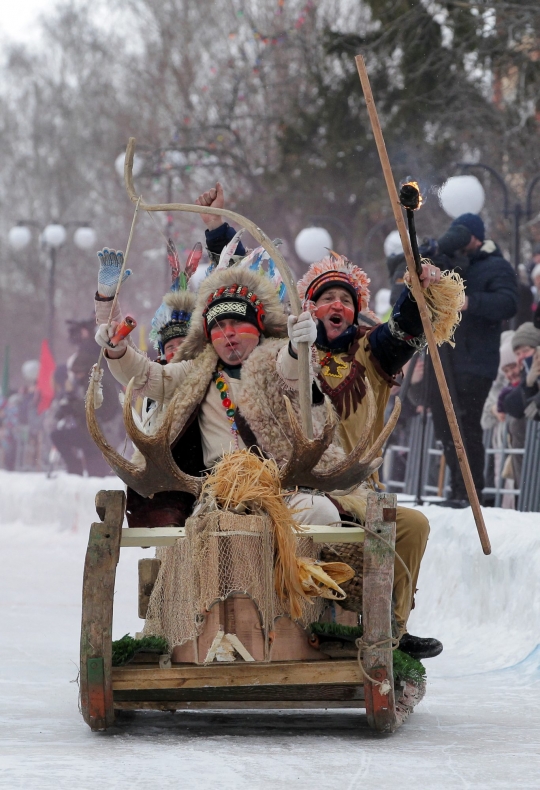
column 223, row 554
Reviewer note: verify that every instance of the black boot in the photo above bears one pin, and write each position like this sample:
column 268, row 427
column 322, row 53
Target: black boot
column 417, row 647
column 453, row 503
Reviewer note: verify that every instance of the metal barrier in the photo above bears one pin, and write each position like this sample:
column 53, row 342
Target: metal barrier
column 435, row 476
column 411, row 450
column 529, row 500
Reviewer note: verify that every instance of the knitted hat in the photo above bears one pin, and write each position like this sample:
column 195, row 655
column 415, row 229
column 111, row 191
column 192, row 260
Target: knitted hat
column 507, row 356
column 332, row 272
column 235, row 301
column 526, row 335
column 234, row 292
column 474, row 223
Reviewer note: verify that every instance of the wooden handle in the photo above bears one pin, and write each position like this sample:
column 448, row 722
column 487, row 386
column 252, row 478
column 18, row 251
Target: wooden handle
column 304, row 380
column 422, row 307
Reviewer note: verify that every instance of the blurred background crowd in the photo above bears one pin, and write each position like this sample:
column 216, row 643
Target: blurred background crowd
column 264, row 96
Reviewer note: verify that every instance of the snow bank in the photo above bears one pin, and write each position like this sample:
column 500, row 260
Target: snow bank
column 63, row 502
column 485, row 609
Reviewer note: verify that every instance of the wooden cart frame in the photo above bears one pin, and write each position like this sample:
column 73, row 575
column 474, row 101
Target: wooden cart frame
column 340, row 683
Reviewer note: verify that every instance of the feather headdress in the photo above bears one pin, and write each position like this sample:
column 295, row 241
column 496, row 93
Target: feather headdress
column 335, row 270
column 172, row 317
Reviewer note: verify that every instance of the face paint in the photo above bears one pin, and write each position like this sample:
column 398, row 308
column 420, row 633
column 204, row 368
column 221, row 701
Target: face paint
column 171, row 347
column 337, row 307
column 234, row 340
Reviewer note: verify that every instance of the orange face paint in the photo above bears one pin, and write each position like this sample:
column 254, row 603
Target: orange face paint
column 234, row 340
column 335, row 307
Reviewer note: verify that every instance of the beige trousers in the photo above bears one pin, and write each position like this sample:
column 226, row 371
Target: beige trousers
column 412, row 532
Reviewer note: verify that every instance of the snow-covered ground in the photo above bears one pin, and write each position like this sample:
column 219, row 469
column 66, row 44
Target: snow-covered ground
column 478, row 727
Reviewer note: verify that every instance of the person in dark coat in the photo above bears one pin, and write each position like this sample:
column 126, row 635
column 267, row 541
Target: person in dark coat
column 491, row 298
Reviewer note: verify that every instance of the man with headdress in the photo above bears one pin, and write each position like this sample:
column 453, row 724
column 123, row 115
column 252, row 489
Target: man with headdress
column 169, row 328
column 349, row 353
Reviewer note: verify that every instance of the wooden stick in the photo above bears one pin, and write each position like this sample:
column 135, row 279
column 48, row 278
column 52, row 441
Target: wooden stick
column 422, row 307
column 304, row 380
column 122, row 270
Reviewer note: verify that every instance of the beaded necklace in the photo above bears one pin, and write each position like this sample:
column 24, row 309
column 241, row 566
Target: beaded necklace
column 226, row 402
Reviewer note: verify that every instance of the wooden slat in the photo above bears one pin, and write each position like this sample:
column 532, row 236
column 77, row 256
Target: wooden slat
column 157, row 536
column 285, row 693
column 377, row 609
column 167, row 536
column 97, row 610
column 240, row 705
column 238, row 674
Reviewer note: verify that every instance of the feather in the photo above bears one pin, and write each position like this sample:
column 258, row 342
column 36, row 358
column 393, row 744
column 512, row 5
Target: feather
column 174, row 260
column 193, row 260
column 229, row 250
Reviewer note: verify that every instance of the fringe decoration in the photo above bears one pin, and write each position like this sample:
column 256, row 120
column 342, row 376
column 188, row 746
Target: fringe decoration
column 445, row 301
column 242, row 480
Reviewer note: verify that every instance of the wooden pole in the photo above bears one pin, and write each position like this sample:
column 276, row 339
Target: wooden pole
column 422, row 307
column 304, row 379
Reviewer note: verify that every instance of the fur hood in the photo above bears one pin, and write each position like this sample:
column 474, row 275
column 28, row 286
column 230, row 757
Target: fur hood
column 180, row 300
column 275, row 320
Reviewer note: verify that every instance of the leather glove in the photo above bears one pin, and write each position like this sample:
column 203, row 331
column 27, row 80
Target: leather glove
column 302, row 329
column 110, row 265
column 103, row 336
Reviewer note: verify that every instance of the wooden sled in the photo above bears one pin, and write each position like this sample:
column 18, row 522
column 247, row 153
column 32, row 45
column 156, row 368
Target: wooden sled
column 331, row 683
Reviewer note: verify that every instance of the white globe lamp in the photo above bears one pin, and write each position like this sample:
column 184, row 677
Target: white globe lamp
column 19, row 237
column 84, row 238
column 312, row 244
column 138, row 164
column 462, row 195
column 392, row 244
column 54, row 235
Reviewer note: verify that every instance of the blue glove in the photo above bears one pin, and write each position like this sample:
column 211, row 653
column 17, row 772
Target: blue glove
column 110, row 265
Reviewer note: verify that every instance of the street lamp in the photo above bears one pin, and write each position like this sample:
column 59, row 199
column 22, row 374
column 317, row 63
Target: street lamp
column 462, row 195
column 52, row 237
column 517, row 212
column 312, row 244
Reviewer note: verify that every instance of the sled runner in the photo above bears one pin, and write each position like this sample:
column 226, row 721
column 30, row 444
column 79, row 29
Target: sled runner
column 283, row 667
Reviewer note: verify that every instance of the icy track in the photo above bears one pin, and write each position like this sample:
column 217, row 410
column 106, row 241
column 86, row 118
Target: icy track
column 478, row 727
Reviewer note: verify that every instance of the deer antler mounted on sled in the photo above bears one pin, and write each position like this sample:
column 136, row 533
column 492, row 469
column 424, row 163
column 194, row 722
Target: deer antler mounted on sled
column 161, row 473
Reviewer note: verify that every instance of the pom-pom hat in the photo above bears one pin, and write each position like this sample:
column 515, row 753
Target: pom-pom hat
column 336, row 271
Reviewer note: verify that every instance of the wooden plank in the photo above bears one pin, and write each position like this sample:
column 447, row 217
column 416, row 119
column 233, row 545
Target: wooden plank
column 148, row 572
column 238, row 674
column 325, row 691
column 151, row 536
column 97, row 610
column 377, row 611
column 167, row 536
column 240, row 705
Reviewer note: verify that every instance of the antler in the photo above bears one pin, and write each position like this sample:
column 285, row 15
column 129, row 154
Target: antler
column 348, row 473
column 160, row 472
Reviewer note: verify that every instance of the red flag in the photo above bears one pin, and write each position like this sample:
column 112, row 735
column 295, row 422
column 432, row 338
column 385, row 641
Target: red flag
column 44, row 383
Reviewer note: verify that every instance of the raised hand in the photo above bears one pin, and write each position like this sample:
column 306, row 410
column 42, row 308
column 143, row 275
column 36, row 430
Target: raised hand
column 215, row 198
column 110, row 265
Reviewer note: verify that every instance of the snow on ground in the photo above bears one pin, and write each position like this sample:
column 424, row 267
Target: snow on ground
column 477, row 727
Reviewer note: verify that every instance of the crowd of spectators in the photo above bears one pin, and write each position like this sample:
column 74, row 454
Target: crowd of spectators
column 493, row 372
column 51, row 436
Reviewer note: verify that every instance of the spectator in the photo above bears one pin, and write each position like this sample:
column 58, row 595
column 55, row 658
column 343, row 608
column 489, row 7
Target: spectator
column 471, row 367
column 535, row 277
column 524, row 400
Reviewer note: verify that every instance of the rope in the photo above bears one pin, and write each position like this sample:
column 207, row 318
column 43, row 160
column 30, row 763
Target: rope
column 122, row 270
column 383, row 643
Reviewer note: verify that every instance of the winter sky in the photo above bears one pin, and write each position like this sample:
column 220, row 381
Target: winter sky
column 18, row 20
